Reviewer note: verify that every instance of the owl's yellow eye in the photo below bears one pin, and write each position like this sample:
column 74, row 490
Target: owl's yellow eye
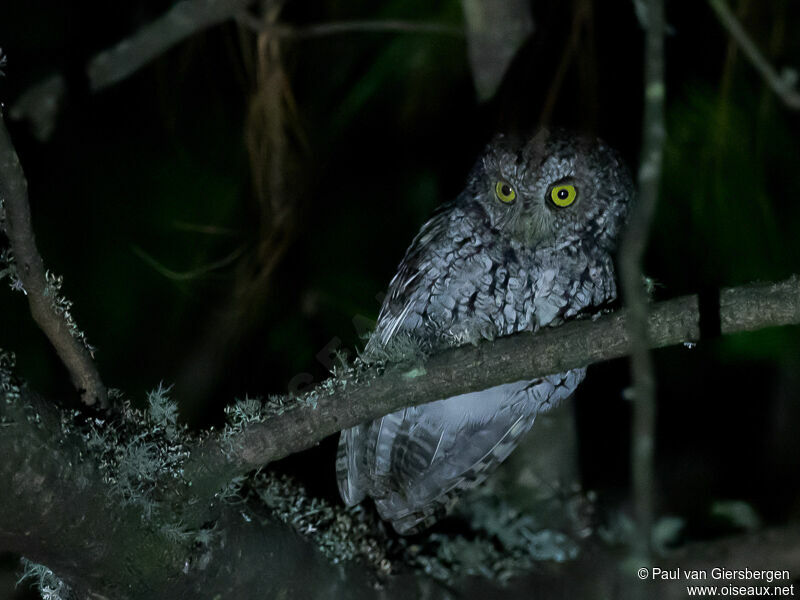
column 504, row 192
column 563, row 195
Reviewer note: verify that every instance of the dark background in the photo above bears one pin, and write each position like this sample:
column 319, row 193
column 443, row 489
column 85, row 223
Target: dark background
column 152, row 177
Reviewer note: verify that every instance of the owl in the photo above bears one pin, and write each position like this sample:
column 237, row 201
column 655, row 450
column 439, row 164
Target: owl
column 526, row 245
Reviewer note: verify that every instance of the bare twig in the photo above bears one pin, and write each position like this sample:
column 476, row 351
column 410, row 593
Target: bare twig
column 632, row 251
column 204, row 228
column 31, row 273
column 784, row 87
column 330, row 408
column 343, row 27
column 182, row 20
column 192, row 274
column 191, row 16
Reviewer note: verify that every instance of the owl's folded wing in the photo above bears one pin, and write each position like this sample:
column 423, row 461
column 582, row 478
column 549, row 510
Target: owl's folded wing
column 415, row 461
column 425, row 261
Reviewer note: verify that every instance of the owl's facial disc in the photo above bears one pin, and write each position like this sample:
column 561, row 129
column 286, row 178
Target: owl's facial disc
column 513, row 212
column 538, row 211
column 555, row 188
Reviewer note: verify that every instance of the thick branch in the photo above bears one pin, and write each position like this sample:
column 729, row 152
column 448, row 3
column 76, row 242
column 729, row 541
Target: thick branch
column 31, row 272
column 468, row 368
column 120, row 553
column 58, row 510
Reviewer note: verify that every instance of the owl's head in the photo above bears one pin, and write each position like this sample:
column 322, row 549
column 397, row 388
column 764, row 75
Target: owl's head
column 554, row 188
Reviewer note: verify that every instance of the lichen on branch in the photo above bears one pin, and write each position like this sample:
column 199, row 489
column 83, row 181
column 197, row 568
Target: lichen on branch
column 25, row 268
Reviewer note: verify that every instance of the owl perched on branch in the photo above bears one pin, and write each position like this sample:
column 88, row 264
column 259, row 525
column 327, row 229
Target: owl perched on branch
column 526, row 245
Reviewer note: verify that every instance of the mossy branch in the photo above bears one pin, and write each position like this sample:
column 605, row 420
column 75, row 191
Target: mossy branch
column 53, row 318
column 346, row 401
column 59, row 510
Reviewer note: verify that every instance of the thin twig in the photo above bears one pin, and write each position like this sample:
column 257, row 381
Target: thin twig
column 632, row 251
column 220, row 263
column 343, row 27
column 204, row 228
column 31, row 273
column 189, row 17
column 783, row 87
column 332, row 407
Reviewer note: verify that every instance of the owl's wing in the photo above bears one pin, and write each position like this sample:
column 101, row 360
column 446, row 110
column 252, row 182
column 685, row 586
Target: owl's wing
column 415, row 461
column 410, row 286
column 405, row 294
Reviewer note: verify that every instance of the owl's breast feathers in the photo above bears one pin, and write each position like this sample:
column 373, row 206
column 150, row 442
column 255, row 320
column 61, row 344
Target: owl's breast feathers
column 460, row 281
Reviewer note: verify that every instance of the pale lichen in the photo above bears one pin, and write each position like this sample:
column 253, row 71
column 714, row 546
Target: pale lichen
column 492, row 540
column 8, row 265
column 52, row 291
column 10, row 386
column 139, row 452
column 495, row 541
column 44, row 580
column 341, row 534
column 63, row 307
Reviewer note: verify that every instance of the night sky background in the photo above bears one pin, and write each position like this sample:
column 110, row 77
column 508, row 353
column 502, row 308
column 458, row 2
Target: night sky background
column 149, row 199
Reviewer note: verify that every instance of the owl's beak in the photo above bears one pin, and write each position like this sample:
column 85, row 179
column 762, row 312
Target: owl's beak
column 533, row 223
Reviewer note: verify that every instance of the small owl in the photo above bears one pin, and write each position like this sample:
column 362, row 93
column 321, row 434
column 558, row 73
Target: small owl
column 526, row 245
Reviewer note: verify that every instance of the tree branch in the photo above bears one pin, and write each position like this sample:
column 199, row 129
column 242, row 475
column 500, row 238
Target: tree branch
column 632, row 250
column 30, row 270
column 329, row 408
column 188, row 17
column 58, row 510
column 182, row 20
column 784, row 87
column 343, row 27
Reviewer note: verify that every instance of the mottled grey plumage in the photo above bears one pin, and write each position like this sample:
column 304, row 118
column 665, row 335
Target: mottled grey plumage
column 482, row 267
